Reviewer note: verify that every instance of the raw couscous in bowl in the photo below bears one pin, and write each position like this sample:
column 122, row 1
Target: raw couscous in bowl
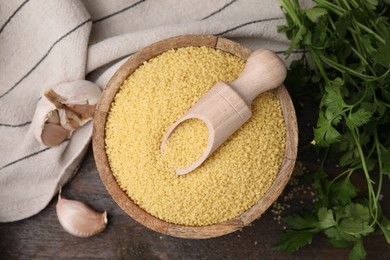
column 234, row 186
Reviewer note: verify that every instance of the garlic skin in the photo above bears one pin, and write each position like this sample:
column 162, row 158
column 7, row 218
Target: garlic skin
column 78, row 219
column 63, row 109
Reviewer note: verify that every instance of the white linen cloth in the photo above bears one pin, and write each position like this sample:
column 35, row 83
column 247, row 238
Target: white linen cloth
column 49, row 43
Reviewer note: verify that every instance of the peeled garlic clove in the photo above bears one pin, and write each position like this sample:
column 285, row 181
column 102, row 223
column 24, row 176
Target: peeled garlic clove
column 52, row 117
column 69, row 120
column 63, row 109
column 53, row 134
column 78, row 219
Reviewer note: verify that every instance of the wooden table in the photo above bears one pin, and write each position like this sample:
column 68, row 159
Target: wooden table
column 41, row 236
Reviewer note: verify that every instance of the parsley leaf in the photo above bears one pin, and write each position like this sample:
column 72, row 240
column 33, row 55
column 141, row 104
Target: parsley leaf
column 358, row 211
column 304, row 220
column 315, row 13
column 335, row 238
column 358, row 251
column 358, row 118
column 354, row 227
column 325, row 134
column 343, row 192
column 372, row 4
column 342, row 24
column 333, row 99
column 326, row 219
column 385, row 156
column 385, row 227
column 383, row 55
column 292, row 240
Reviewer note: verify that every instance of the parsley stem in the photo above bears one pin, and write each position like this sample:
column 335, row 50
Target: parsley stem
column 361, row 98
column 378, row 152
column 354, row 3
column 349, row 108
column 318, row 63
column 373, row 148
column 343, row 69
column 356, row 35
column 365, row 28
column 372, row 203
column 325, row 157
column 331, row 24
column 288, row 7
column 332, row 7
column 360, row 52
column 347, row 5
column 297, row 5
column 374, row 25
column 349, row 171
column 364, row 61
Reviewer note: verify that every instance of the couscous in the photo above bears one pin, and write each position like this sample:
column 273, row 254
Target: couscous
column 228, row 183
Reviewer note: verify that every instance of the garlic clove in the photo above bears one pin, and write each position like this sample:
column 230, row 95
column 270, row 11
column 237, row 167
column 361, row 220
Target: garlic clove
column 54, row 134
column 69, row 106
column 85, row 111
column 74, row 114
column 52, row 117
column 69, row 120
column 78, row 219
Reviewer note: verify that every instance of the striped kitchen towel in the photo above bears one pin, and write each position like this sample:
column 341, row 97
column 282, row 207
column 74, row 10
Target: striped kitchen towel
column 57, row 44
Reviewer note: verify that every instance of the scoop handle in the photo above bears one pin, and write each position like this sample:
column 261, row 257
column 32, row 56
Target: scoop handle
column 263, row 71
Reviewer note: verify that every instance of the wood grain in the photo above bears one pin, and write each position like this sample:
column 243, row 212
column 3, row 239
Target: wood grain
column 42, row 237
column 139, row 214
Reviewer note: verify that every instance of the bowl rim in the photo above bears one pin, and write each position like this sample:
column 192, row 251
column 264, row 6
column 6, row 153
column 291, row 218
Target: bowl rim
column 127, row 204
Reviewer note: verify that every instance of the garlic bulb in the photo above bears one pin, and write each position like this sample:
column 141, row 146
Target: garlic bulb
column 64, row 109
column 79, row 219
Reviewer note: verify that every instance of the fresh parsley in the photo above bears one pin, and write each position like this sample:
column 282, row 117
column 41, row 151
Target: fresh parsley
column 348, row 44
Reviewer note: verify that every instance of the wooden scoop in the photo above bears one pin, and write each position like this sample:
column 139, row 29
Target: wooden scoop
column 227, row 106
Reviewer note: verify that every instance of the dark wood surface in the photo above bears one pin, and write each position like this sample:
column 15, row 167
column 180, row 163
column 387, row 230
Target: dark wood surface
column 42, row 237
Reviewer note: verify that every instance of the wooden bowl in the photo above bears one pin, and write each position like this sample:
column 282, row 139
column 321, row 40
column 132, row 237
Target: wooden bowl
column 140, row 215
